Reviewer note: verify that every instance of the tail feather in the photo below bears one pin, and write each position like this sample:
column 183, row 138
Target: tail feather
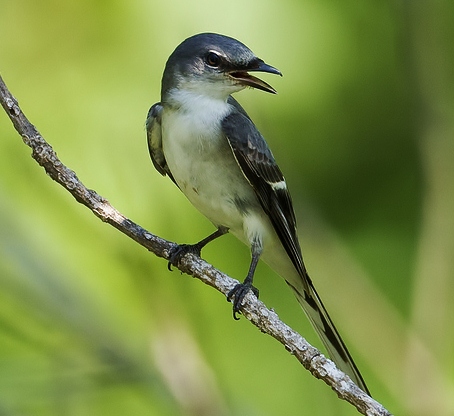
column 324, row 326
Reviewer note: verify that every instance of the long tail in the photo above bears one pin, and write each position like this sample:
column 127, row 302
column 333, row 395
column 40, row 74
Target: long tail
column 322, row 323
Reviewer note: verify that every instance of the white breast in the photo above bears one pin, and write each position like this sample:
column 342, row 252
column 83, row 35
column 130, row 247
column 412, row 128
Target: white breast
column 202, row 162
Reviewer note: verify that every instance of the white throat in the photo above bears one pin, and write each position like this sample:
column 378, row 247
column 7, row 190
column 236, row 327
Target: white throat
column 202, row 112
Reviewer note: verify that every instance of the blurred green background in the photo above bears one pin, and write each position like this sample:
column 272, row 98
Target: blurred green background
column 91, row 323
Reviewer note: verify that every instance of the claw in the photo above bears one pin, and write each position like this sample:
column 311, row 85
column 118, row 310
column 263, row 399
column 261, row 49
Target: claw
column 178, row 251
column 237, row 294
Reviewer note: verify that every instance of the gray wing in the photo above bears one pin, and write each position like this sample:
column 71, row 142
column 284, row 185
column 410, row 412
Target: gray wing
column 154, row 139
column 260, row 169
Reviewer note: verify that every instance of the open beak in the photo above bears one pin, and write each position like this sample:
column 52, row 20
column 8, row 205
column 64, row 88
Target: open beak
column 244, row 78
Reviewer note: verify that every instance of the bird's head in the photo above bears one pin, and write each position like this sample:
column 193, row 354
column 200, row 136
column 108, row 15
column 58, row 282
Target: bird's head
column 214, row 65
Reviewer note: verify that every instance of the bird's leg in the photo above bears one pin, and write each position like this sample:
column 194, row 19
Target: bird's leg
column 180, row 250
column 241, row 289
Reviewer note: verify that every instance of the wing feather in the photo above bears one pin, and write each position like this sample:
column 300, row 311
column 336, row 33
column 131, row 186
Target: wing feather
column 154, row 139
column 261, row 170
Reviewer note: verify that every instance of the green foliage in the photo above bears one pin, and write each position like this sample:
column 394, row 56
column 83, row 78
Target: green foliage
column 362, row 126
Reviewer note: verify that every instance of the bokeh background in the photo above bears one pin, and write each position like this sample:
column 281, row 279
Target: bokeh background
column 363, row 128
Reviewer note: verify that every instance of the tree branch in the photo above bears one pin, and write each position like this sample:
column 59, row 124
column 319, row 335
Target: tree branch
column 253, row 309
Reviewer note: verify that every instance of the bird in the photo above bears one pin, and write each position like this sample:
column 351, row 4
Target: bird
column 205, row 142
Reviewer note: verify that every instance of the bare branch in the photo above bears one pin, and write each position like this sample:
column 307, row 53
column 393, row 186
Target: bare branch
column 253, row 309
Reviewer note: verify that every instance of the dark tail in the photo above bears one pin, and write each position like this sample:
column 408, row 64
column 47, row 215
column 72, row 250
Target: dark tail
column 321, row 321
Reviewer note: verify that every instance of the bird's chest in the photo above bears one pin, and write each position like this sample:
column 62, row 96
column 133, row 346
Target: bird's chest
column 193, row 148
column 202, row 163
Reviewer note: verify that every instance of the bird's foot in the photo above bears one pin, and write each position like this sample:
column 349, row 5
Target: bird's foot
column 178, row 251
column 238, row 293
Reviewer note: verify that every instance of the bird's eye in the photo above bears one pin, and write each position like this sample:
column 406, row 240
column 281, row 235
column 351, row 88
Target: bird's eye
column 213, row 59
